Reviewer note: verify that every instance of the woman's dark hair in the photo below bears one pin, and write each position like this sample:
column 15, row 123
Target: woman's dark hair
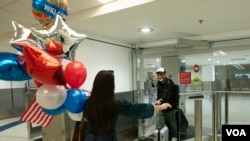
column 101, row 106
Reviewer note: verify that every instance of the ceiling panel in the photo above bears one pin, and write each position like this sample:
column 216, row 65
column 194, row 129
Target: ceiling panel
column 20, row 7
column 76, row 6
column 171, row 19
column 4, row 3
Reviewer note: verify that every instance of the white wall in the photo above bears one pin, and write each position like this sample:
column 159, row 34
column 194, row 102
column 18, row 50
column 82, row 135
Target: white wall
column 6, row 47
column 4, row 84
column 96, row 56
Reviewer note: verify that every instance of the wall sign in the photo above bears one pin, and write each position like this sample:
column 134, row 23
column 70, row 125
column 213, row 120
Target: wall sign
column 196, row 68
column 185, row 77
column 196, row 80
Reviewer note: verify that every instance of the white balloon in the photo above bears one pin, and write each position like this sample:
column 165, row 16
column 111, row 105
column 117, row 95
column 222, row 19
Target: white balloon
column 75, row 116
column 51, row 96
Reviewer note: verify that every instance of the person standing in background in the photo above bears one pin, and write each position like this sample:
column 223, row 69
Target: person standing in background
column 165, row 93
column 151, row 89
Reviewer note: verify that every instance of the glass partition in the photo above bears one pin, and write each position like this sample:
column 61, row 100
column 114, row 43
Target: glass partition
column 233, row 105
column 209, row 78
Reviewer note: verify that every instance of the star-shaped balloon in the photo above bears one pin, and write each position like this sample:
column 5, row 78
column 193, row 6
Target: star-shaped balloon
column 54, row 48
column 60, row 32
column 23, row 34
column 40, row 65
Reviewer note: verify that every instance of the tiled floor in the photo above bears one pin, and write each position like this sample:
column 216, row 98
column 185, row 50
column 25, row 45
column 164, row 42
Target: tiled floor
column 20, row 131
column 16, row 133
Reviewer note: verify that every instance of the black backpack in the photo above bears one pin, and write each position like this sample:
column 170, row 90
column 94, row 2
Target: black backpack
column 182, row 122
column 176, row 96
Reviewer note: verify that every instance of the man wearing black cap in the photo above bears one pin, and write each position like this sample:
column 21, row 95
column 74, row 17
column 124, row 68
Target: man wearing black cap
column 165, row 93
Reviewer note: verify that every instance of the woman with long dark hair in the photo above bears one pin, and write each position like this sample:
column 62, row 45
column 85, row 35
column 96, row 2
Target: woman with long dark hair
column 102, row 110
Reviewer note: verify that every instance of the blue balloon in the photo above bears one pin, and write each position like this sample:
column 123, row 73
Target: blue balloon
column 54, row 112
column 75, row 100
column 10, row 69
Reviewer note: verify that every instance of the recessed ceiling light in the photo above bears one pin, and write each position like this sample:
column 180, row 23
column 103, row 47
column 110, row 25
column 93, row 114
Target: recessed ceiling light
column 105, row 1
column 146, row 30
column 183, row 61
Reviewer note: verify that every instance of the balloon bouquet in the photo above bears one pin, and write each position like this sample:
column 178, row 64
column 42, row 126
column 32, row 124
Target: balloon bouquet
column 42, row 51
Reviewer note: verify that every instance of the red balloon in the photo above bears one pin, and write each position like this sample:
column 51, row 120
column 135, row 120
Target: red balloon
column 38, row 84
column 40, row 65
column 75, row 74
column 54, row 48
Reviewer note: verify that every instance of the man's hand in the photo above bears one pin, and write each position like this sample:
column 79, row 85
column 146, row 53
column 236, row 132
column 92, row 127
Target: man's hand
column 158, row 102
column 166, row 106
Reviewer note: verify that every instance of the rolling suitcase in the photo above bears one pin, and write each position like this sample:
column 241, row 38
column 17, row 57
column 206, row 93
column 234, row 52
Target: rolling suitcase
column 161, row 133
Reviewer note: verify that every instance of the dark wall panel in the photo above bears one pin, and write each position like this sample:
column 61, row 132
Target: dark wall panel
column 125, row 123
column 11, row 102
column 6, row 110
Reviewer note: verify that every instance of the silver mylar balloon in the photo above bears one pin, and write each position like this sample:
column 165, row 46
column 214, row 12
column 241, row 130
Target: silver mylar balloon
column 60, row 32
column 23, row 34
